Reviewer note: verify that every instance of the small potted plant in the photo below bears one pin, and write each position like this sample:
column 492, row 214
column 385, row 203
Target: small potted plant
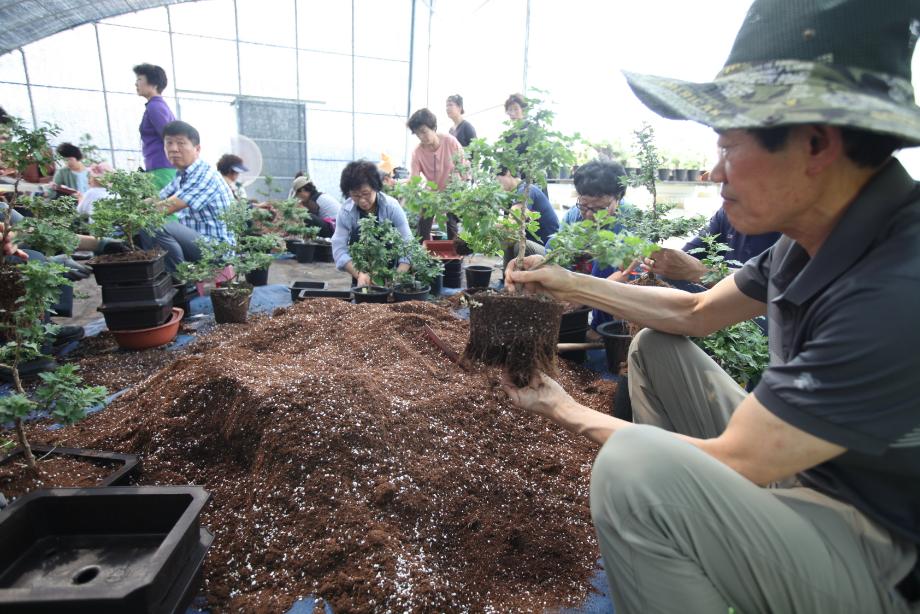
column 249, row 253
column 28, row 291
column 375, row 253
column 27, row 153
column 425, row 267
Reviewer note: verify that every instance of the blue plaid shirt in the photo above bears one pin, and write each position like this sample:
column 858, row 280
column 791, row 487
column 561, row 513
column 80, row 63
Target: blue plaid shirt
column 207, row 196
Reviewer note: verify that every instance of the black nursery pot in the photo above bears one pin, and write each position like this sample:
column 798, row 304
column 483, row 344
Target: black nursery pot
column 103, row 550
column 291, row 245
column 322, row 252
column 135, row 315
column 616, row 337
column 259, row 277
column 134, row 271
column 410, row 294
column 451, row 274
column 305, row 252
column 478, row 276
column 150, row 291
column 370, row 294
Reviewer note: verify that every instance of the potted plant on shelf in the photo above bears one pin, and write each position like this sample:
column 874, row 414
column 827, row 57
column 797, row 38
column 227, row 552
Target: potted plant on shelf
column 517, row 331
column 425, row 267
column 375, row 253
column 249, row 253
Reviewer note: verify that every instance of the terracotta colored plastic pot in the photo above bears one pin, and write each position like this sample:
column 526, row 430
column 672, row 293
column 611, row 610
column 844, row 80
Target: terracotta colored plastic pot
column 145, row 338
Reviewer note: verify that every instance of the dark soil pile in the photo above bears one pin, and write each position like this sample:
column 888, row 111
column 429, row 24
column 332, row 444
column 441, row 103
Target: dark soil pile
column 349, row 458
column 103, row 363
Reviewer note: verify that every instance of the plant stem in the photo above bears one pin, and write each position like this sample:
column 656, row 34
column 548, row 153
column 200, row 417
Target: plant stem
column 20, row 429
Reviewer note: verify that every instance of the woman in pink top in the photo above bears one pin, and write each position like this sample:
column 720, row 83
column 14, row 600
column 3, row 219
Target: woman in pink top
column 433, row 159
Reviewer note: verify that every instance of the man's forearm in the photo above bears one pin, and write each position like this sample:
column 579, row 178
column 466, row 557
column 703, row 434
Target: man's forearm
column 664, row 309
column 594, row 425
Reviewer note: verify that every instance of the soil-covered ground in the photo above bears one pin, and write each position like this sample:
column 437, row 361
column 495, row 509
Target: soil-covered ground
column 349, row 458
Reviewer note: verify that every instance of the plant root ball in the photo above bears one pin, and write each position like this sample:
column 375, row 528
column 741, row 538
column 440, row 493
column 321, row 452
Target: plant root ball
column 518, row 332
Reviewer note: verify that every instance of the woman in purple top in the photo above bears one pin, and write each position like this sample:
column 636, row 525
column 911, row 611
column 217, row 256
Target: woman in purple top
column 150, row 83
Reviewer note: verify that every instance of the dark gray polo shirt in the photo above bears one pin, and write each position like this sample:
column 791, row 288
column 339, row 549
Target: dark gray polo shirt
column 845, row 348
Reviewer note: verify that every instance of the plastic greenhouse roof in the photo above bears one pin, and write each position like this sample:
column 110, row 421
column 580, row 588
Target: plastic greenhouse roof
column 26, row 21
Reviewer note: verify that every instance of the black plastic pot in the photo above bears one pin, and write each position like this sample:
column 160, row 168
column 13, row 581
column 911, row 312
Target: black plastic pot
column 259, row 277
column 305, row 252
column 138, row 314
column 183, row 298
column 127, row 464
column 308, row 293
column 693, row 175
column 291, row 245
column 616, row 337
column 134, row 271
column 478, row 276
column 436, row 284
column 105, row 550
column 297, row 286
column 410, row 294
column 230, row 307
column 573, row 328
column 64, row 306
column 322, row 252
column 664, row 174
column 370, row 294
column 127, row 293
column 574, row 320
column 680, row 174
column 451, row 274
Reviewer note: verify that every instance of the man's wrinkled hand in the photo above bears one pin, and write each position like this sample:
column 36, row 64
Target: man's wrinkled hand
column 543, row 396
column 553, row 279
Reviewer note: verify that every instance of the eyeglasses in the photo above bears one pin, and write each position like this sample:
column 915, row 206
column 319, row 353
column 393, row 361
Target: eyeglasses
column 593, row 207
column 362, row 195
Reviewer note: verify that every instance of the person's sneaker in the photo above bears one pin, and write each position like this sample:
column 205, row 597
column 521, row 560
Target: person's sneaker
column 67, row 334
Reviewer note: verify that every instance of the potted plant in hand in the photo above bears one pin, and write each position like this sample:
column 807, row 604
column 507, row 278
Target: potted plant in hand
column 517, row 331
column 375, row 253
column 249, row 253
column 425, row 267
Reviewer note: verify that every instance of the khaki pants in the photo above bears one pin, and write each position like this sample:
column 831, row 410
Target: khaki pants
column 681, row 532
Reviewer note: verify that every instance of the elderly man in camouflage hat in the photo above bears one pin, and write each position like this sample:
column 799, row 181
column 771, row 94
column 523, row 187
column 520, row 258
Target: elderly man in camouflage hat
column 813, row 100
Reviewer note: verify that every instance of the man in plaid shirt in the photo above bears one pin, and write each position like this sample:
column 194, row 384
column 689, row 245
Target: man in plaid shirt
column 197, row 196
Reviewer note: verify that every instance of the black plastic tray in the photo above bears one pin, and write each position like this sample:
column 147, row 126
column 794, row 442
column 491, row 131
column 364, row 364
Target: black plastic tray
column 127, row 293
column 323, row 293
column 138, row 314
column 130, row 463
column 297, row 286
column 102, row 550
column 136, row 272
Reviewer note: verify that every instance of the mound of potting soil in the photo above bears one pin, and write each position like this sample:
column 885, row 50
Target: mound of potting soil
column 348, row 458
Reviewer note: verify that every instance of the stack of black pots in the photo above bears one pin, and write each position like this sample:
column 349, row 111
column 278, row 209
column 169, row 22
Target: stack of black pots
column 136, row 294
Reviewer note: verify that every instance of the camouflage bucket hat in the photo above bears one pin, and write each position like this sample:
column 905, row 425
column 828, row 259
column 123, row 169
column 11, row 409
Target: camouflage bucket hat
column 839, row 62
